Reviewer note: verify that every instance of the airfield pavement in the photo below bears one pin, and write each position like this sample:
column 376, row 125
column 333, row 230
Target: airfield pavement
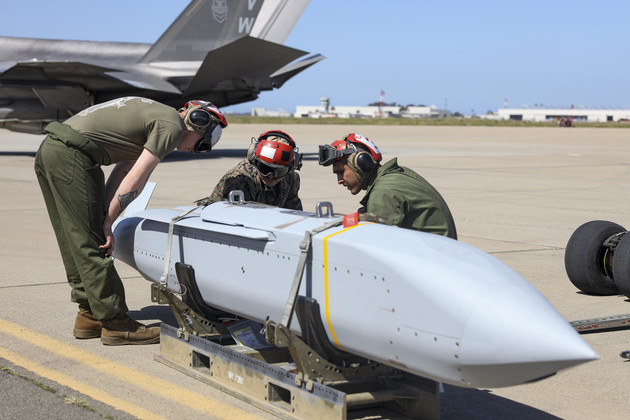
column 516, row 193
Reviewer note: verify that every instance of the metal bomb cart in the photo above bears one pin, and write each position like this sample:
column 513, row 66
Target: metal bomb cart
column 289, row 376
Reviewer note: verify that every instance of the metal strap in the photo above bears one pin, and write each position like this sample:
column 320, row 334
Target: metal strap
column 167, row 254
column 305, row 247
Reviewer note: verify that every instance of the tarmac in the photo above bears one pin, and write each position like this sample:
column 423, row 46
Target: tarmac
column 515, row 193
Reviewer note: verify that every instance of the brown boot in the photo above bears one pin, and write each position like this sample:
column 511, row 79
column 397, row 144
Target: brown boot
column 85, row 326
column 124, row 330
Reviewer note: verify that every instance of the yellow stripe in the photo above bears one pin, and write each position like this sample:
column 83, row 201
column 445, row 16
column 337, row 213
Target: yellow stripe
column 332, row 330
column 82, row 387
column 152, row 384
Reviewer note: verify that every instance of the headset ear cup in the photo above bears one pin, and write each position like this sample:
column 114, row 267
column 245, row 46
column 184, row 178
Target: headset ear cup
column 251, row 151
column 365, row 162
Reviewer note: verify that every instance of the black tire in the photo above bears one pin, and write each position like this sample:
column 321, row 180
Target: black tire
column 587, row 261
column 621, row 265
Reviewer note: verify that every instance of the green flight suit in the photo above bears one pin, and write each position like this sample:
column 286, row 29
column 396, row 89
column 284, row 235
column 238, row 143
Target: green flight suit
column 403, row 198
column 68, row 167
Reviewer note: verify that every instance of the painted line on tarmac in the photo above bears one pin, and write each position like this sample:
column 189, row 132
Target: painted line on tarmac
column 79, row 386
column 148, row 383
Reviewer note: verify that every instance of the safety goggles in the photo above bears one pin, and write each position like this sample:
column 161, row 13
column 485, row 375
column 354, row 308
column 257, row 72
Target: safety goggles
column 268, row 171
column 329, row 154
column 210, row 139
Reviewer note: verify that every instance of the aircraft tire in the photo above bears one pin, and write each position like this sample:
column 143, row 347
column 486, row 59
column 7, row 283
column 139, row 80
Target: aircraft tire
column 585, row 258
column 621, row 265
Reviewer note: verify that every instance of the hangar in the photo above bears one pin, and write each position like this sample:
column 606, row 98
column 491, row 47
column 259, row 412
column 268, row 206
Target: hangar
column 325, row 110
column 577, row 114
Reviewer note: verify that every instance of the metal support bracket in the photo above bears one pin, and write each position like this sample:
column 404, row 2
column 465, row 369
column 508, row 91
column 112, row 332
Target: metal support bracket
column 313, row 367
column 614, row 240
column 189, row 321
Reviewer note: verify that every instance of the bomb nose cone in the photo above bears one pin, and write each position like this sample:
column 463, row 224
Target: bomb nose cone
column 530, row 341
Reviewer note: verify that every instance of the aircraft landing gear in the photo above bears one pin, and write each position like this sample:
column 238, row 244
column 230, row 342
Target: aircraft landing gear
column 597, row 261
column 597, row 258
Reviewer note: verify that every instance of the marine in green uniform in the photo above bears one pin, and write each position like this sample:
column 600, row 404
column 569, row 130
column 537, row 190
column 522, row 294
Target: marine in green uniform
column 268, row 175
column 394, row 194
column 135, row 134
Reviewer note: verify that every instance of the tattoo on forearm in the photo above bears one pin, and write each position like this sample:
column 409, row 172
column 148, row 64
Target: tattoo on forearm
column 125, row 199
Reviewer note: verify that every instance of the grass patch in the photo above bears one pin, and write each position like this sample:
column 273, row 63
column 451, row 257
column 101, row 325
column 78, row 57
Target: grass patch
column 247, row 119
column 34, row 382
column 77, row 401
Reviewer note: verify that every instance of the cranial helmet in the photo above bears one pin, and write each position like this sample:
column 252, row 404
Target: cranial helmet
column 274, row 154
column 362, row 155
column 204, row 118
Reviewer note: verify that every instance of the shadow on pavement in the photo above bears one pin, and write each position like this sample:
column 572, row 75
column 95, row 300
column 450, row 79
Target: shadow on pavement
column 177, row 156
column 31, row 154
column 161, row 312
column 468, row 403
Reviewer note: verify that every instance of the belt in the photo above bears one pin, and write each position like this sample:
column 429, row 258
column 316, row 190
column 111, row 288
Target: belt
column 72, row 138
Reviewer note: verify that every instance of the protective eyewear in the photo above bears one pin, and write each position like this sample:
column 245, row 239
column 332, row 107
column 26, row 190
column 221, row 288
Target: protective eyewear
column 210, row 139
column 268, row 171
column 329, row 154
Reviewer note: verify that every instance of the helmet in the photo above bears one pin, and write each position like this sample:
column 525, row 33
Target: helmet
column 363, row 156
column 274, row 153
column 368, row 155
column 204, row 118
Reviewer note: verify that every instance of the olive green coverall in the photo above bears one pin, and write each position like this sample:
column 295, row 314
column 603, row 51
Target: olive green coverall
column 68, row 167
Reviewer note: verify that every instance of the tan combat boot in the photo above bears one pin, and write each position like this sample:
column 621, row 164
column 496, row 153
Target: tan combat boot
column 124, row 330
column 85, row 326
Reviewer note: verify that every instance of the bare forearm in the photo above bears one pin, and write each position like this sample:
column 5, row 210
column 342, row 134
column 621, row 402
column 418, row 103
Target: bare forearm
column 128, row 190
column 123, row 186
column 126, row 183
column 115, row 178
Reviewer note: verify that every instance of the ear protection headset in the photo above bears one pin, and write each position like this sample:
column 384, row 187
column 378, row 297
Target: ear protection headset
column 362, row 161
column 362, row 154
column 204, row 118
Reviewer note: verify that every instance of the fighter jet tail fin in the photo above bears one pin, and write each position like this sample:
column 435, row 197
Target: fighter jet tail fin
column 209, row 24
column 226, row 72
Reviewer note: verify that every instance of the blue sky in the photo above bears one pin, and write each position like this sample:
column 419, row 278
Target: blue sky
column 463, row 55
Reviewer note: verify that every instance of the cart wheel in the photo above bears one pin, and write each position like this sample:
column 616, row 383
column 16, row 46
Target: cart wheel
column 588, row 263
column 621, row 265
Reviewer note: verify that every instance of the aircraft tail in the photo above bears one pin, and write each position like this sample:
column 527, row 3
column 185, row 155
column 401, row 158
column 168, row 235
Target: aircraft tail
column 226, row 64
column 206, row 25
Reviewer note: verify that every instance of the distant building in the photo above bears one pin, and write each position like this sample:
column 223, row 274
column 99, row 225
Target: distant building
column 262, row 112
column 424, row 112
column 576, row 114
column 325, row 110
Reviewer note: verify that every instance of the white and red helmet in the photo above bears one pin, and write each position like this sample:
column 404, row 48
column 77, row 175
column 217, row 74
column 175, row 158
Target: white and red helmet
column 352, row 143
column 274, row 153
column 204, row 118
